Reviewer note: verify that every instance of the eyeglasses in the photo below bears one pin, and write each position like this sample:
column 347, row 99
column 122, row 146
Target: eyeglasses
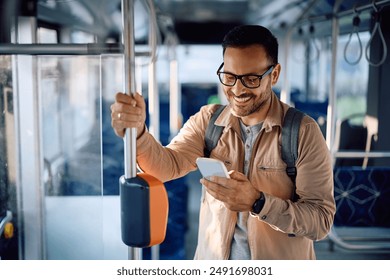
column 249, row 81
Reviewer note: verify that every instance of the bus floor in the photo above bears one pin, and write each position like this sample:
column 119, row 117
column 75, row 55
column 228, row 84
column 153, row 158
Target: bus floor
column 325, row 249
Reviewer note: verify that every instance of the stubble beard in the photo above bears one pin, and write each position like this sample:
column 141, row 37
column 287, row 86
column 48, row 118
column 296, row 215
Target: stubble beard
column 258, row 103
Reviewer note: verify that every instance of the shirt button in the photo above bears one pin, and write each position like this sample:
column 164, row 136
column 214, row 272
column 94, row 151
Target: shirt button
column 248, row 131
column 247, row 146
column 264, row 217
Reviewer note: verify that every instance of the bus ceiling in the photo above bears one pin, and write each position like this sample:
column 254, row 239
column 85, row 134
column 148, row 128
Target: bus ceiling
column 193, row 21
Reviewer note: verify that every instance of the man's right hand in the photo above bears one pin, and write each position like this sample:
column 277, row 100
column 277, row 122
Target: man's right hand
column 128, row 111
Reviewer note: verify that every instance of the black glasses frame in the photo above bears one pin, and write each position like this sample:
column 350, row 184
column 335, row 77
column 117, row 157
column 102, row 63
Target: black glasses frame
column 239, row 77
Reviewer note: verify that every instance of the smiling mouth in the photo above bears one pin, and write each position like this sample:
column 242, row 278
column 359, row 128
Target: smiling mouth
column 242, row 99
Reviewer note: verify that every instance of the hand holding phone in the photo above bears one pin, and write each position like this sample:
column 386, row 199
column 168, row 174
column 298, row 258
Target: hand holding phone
column 211, row 167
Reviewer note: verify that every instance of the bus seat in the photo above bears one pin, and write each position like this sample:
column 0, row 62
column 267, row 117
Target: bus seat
column 350, row 136
column 315, row 109
column 362, row 196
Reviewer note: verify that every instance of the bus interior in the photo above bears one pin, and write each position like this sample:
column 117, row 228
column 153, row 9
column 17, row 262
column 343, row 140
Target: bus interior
column 61, row 63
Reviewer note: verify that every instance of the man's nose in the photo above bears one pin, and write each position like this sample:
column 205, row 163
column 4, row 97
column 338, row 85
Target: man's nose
column 239, row 87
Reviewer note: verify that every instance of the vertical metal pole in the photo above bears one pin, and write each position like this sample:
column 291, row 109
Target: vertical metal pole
column 331, row 120
column 175, row 100
column 285, row 93
column 154, row 98
column 31, row 220
column 154, row 102
column 154, row 125
column 129, row 86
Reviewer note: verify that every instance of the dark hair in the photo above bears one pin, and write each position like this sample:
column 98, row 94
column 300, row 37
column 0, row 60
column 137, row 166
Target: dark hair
column 246, row 35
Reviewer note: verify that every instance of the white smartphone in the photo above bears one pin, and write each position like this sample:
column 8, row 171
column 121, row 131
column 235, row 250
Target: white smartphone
column 211, row 167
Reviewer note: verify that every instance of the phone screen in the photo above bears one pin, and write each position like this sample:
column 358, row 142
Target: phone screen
column 212, row 167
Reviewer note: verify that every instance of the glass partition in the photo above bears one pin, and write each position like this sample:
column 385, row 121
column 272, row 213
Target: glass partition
column 69, row 103
column 60, row 159
column 83, row 160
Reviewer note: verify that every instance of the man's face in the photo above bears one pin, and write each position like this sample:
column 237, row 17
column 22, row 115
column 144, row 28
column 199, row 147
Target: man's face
column 249, row 60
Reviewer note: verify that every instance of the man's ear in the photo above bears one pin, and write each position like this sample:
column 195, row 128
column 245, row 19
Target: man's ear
column 275, row 74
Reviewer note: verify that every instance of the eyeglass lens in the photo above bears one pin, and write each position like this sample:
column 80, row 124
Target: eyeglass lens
column 249, row 81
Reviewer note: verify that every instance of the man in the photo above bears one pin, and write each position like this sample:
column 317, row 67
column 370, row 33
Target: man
column 251, row 215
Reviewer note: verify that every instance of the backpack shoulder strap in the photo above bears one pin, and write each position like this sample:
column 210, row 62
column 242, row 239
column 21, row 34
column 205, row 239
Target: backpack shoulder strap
column 290, row 135
column 213, row 132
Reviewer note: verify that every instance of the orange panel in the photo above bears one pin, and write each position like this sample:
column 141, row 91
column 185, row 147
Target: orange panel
column 159, row 207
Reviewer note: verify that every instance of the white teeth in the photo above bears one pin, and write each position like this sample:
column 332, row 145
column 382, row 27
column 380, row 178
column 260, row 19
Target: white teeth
column 241, row 99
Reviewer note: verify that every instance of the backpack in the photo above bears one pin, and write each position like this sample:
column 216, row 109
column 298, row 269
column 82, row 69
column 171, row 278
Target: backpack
column 290, row 133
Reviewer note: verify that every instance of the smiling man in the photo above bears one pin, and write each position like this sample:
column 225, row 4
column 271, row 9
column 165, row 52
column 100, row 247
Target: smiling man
column 252, row 214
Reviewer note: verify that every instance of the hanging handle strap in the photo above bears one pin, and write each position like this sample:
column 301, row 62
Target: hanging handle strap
column 355, row 30
column 377, row 28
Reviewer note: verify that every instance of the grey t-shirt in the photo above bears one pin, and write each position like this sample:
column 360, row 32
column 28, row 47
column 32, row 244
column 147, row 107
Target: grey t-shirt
column 240, row 248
